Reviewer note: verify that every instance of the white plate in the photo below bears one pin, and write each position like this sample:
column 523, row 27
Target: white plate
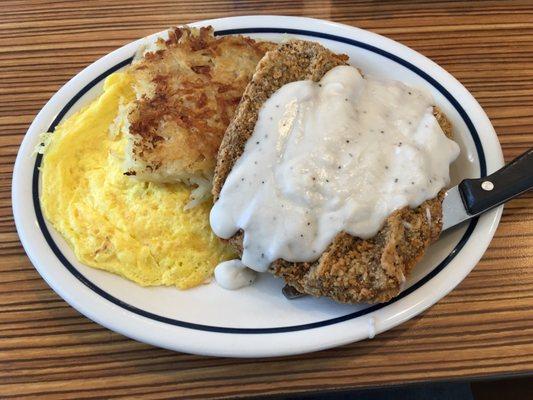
column 258, row 321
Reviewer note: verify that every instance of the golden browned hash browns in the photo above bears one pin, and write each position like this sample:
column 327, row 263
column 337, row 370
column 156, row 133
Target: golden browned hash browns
column 351, row 270
column 187, row 91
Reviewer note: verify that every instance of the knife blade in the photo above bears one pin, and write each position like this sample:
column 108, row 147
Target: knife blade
column 453, row 209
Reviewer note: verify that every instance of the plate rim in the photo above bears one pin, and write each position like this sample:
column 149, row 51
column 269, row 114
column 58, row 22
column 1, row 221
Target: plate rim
column 280, row 20
column 291, row 328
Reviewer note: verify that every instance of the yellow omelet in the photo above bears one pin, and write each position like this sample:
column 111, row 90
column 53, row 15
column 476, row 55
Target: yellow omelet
column 138, row 230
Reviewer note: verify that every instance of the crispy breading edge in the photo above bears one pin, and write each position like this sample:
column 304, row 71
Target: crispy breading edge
column 351, row 270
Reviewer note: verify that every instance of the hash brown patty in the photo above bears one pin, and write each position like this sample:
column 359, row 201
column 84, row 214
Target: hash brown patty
column 187, row 90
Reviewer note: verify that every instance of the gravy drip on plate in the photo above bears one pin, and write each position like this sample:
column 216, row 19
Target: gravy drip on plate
column 233, row 274
column 338, row 155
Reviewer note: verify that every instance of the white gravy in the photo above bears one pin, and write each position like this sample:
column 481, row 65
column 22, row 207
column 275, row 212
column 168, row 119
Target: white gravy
column 233, row 274
column 338, row 155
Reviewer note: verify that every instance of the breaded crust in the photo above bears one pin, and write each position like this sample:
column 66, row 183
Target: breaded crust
column 293, row 61
column 351, row 270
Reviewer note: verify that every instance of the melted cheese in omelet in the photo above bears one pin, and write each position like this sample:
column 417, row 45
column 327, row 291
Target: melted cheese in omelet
column 113, row 222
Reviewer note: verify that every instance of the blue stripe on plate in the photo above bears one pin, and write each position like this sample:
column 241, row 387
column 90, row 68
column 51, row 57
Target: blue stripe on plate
column 133, row 309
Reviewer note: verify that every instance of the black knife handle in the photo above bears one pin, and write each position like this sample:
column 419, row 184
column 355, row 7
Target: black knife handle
column 482, row 194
